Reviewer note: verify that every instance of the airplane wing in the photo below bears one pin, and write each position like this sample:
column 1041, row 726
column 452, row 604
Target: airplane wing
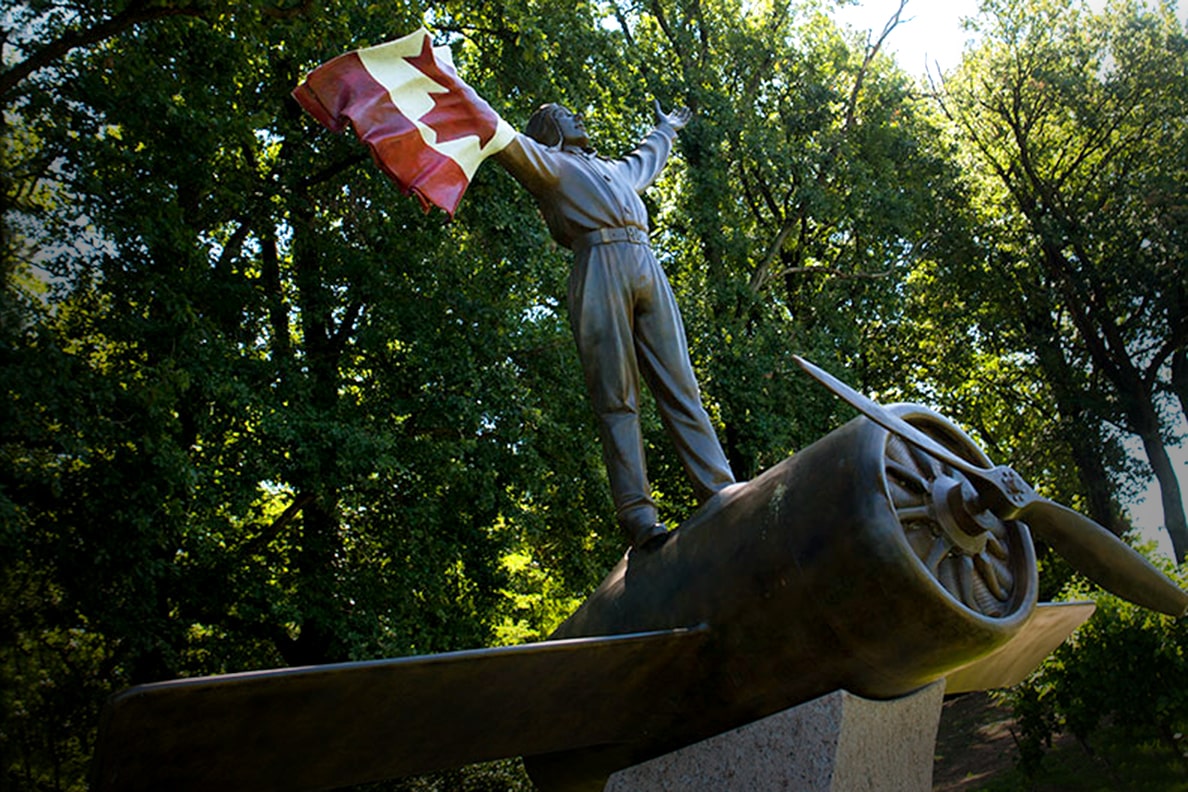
column 327, row 726
column 1007, row 666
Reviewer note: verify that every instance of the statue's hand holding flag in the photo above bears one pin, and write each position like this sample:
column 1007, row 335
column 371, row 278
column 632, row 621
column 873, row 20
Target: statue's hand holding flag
column 426, row 128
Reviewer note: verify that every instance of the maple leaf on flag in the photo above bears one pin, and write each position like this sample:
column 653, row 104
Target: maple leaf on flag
column 426, row 128
column 458, row 111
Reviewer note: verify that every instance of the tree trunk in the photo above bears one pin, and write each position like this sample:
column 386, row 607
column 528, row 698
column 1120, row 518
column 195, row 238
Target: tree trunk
column 1179, row 379
column 1146, row 422
column 1085, row 446
column 1108, row 353
column 317, row 597
column 1086, row 450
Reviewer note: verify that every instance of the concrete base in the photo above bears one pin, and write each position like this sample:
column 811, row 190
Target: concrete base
column 837, row 743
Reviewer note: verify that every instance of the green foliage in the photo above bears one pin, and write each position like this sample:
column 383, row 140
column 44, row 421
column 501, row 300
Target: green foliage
column 805, row 183
column 260, row 410
column 1071, row 125
column 1125, row 669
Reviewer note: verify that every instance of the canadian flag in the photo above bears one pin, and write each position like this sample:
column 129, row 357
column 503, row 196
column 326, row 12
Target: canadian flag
column 427, row 130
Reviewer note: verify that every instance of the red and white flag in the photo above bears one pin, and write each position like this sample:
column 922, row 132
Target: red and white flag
column 427, row 130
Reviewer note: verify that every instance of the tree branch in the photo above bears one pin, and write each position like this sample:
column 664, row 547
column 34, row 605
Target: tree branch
column 282, row 521
column 871, row 52
column 346, row 327
column 136, row 13
column 840, row 274
column 763, row 273
column 330, row 171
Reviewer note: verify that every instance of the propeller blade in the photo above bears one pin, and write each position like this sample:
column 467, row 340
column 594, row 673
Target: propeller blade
column 1088, row 547
column 1104, row 558
column 887, row 419
column 1002, row 490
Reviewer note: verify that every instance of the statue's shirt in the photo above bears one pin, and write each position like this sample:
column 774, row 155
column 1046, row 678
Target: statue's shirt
column 579, row 192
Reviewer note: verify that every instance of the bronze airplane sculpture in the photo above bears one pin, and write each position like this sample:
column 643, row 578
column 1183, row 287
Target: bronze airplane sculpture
column 887, row 555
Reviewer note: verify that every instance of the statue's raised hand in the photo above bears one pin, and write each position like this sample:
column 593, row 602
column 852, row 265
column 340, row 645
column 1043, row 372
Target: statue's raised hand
column 676, row 119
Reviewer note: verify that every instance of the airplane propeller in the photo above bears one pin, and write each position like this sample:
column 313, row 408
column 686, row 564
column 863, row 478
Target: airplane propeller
column 1087, row 546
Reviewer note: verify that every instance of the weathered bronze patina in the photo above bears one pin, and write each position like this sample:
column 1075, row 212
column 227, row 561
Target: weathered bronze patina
column 836, row 569
column 992, row 494
column 621, row 308
column 863, row 562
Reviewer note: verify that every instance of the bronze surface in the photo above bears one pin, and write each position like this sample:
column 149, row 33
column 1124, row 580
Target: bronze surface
column 1010, row 664
column 326, row 726
column 816, row 576
column 843, row 567
column 1088, row 547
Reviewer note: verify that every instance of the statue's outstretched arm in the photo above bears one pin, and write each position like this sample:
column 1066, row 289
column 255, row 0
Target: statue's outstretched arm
column 530, row 163
column 641, row 167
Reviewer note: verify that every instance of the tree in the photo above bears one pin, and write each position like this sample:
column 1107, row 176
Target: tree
column 1077, row 119
column 267, row 412
column 1125, row 669
column 44, row 37
column 805, row 197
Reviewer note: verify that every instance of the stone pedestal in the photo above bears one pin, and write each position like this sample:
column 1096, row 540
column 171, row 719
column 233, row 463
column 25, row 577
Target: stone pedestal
column 837, row 743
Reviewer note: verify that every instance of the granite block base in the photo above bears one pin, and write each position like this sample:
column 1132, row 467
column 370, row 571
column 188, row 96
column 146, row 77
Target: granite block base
column 837, row 743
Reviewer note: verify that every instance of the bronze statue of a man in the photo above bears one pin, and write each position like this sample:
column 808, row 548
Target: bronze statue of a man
column 622, row 311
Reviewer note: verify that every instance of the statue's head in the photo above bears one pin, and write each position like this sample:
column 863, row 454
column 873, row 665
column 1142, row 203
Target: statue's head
column 554, row 125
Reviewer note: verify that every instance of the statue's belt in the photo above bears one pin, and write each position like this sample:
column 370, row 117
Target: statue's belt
column 630, row 234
